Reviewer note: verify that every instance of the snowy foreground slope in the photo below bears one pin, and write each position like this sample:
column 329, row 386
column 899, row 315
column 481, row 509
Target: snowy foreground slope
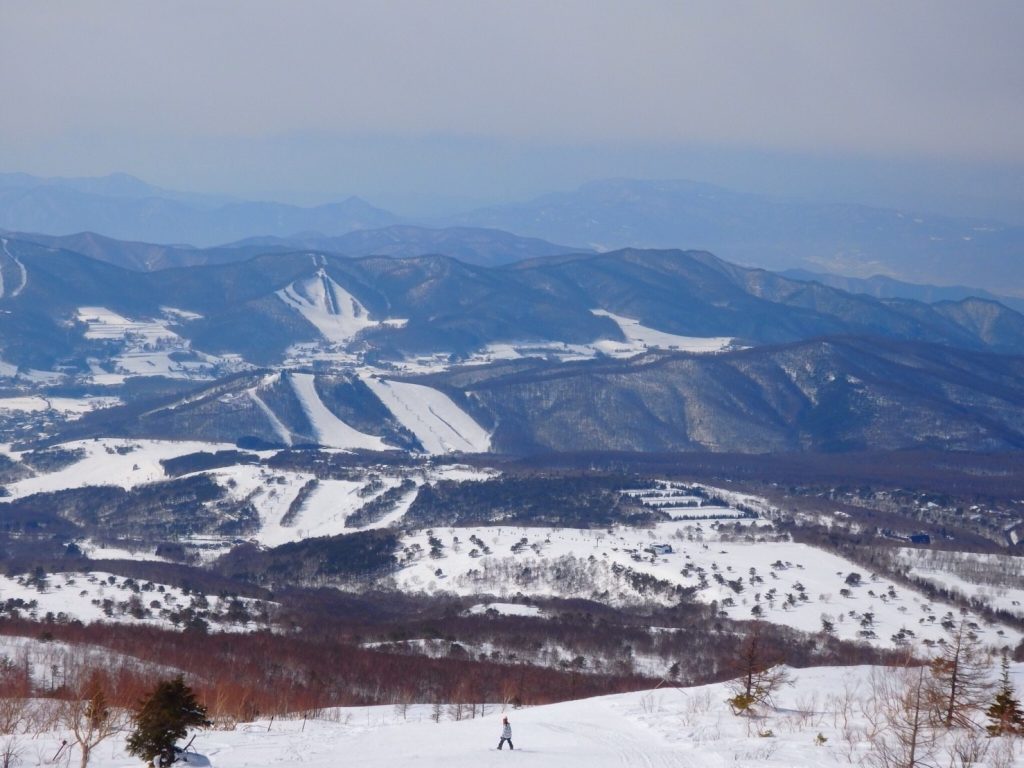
column 687, row 728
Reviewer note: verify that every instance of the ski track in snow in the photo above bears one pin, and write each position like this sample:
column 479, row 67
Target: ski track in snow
column 280, row 429
column 438, row 423
column 330, row 430
column 21, row 268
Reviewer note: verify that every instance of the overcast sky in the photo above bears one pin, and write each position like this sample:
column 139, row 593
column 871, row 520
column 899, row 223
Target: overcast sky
column 425, row 104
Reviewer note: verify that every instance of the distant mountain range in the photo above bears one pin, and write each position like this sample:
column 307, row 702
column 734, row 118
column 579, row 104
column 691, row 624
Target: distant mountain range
column 261, row 307
column 828, row 395
column 487, row 247
column 882, row 287
column 772, row 233
column 128, row 209
column 837, row 394
column 582, row 351
column 855, row 240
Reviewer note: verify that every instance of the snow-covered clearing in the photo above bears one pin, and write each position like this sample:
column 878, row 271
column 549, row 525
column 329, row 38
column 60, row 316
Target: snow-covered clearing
column 150, row 347
column 650, row 338
column 99, row 596
column 330, row 430
column 507, row 609
column 69, row 406
column 784, row 582
column 103, row 323
column 820, row 721
column 111, row 461
column 438, row 423
column 994, row 580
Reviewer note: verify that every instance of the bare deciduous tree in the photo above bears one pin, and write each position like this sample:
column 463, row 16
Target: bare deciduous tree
column 759, row 674
column 960, row 682
column 900, row 732
column 89, row 718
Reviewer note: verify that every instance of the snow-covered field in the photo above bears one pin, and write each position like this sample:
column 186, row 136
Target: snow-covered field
column 110, row 461
column 738, row 564
column 99, row 596
column 747, row 576
column 641, row 338
column 821, row 720
column 103, row 323
column 995, row 580
column 638, row 339
column 150, row 347
column 69, row 407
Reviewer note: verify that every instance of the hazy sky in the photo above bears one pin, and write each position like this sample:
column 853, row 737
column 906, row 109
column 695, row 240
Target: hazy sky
column 433, row 103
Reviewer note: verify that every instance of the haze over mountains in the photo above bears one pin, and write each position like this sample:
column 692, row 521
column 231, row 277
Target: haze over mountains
column 342, row 325
column 853, row 240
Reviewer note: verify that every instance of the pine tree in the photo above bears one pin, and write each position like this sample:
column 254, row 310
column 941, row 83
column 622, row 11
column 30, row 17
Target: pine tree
column 164, row 717
column 1005, row 713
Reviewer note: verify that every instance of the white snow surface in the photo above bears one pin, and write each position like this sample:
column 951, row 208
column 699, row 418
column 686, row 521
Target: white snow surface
column 335, row 312
column 279, row 428
column 583, row 563
column 111, row 461
column 66, row 405
column 507, row 609
column 650, row 338
column 330, row 430
column 664, row 728
column 22, row 274
column 994, row 580
column 326, row 511
column 81, row 596
column 148, row 346
column 106, row 324
column 438, row 423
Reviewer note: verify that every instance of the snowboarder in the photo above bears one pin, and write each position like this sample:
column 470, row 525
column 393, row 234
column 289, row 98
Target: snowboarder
column 506, row 734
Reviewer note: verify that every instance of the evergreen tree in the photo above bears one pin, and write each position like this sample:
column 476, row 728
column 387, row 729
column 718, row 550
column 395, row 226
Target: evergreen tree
column 164, row 717
column 1005, row 712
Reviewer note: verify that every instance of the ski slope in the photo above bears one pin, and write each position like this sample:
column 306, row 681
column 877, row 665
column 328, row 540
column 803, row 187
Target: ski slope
column 438, row 423
column 335, row 312
column 279, row 428
column 15, row 291
column 820, row 721
column 330, row 430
